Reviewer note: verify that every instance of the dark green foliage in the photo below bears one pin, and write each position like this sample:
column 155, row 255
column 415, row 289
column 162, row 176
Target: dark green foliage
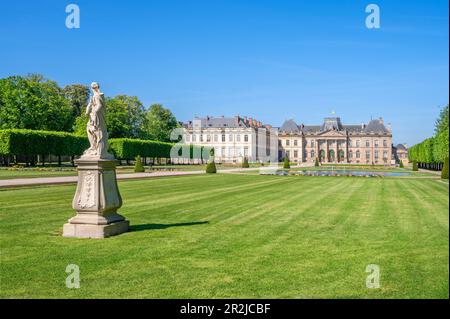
column 211, row 167
column 138, row 167
column 316, row 163
column 286, row 164
column 444, row 173
column 435, row 149
column 245, row 163
column 415, row 166
column 30, row 142
column 401, row 164
column 127, row 148
column 33, row 103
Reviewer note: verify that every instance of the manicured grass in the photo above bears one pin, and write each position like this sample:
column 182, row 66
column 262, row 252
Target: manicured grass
column 242, row 236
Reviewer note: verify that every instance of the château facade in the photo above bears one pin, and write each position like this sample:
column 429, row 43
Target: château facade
column 334, row 142
column 234, row 138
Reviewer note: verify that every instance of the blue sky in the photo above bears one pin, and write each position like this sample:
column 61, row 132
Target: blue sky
column 271, row 60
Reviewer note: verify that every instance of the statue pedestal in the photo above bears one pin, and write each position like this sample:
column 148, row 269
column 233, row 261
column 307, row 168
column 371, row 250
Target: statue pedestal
column 96, row 201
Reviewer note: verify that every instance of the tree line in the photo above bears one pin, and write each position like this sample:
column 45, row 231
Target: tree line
column 36, row 103
column 433, row 151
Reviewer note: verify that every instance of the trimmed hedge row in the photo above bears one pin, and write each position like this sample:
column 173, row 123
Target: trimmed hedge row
column 31, row 142
column 431, row 150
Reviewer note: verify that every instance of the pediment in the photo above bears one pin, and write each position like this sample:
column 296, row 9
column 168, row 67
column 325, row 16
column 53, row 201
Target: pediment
column 332, row 133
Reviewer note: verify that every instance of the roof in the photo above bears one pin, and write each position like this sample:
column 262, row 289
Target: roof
column 289, row 126
column 334, row 123
column 401, row 147
column 376, row 126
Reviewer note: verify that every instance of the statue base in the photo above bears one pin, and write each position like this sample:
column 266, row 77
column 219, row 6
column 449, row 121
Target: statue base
column 96, row 201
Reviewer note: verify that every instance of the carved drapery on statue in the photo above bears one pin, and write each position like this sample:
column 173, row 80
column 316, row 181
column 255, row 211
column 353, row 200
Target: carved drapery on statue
column 97, row 197
column 96, row 126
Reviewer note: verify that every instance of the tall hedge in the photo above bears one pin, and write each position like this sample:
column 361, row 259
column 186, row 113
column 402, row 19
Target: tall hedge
column 444, row 173
column 31, row 142
column 128, row 149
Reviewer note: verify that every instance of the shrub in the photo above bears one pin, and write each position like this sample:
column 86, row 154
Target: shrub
column 211, row 167
column 415, row 167
column 245, row 163
column 138, row 167
column 286, row 164
column 444, row 173
column 32, row 142
column 128, row 149
column 401, row 164
column 316, row 163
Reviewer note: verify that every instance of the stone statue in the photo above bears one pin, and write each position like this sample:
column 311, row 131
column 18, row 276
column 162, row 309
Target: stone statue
column 97, row 197
column 96, row 126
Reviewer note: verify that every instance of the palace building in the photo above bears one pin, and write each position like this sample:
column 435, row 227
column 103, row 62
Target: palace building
column 234, row 138
column 334, row 142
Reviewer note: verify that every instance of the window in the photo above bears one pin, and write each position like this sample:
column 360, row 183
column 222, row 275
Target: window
column 385, row 154
column 230, row 138
column 287, row 154
column 295, row 143
column 358, row 154
column 230, row 152
column 376, row 143
column 350, row 154
column 246, row 150
column 287, row 142
column 245, row 138
column 367, row 143
column 223, row 137
column 223, row 151
column 208, row 138
column 193, row 137
column 295, row 154
column 216, row 138
column 187, row 137
column 376, row 154
column 238, row 138
column 384, row 143
column 312, row 154
column 312, row 143
column 357, row 143
column 367, row 154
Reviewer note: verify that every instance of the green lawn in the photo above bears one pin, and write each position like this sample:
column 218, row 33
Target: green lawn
column 244, row 236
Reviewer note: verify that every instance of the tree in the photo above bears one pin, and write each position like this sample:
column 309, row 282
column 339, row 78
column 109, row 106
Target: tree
column 245, row 163
column 286, row 164
column 33, row 103
column 138, row 167
column 78, row 96
column 415, row 166
column 442, row 121
column 124, row 116
column 159, row 123
column 211, row 166
column 316, row 162
column 444, row 173
column 401, row 164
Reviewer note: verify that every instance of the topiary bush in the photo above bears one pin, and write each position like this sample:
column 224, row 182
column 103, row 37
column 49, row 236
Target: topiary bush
column 401, row 164
column 316, row 163
column 138, row 167
column 245, row 163
column 286, row 164
column 211, row 167
column 444, row 173
column 415, row 167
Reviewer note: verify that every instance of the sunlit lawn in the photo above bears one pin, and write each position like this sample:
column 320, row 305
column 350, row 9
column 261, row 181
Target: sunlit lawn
column 241, row 236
